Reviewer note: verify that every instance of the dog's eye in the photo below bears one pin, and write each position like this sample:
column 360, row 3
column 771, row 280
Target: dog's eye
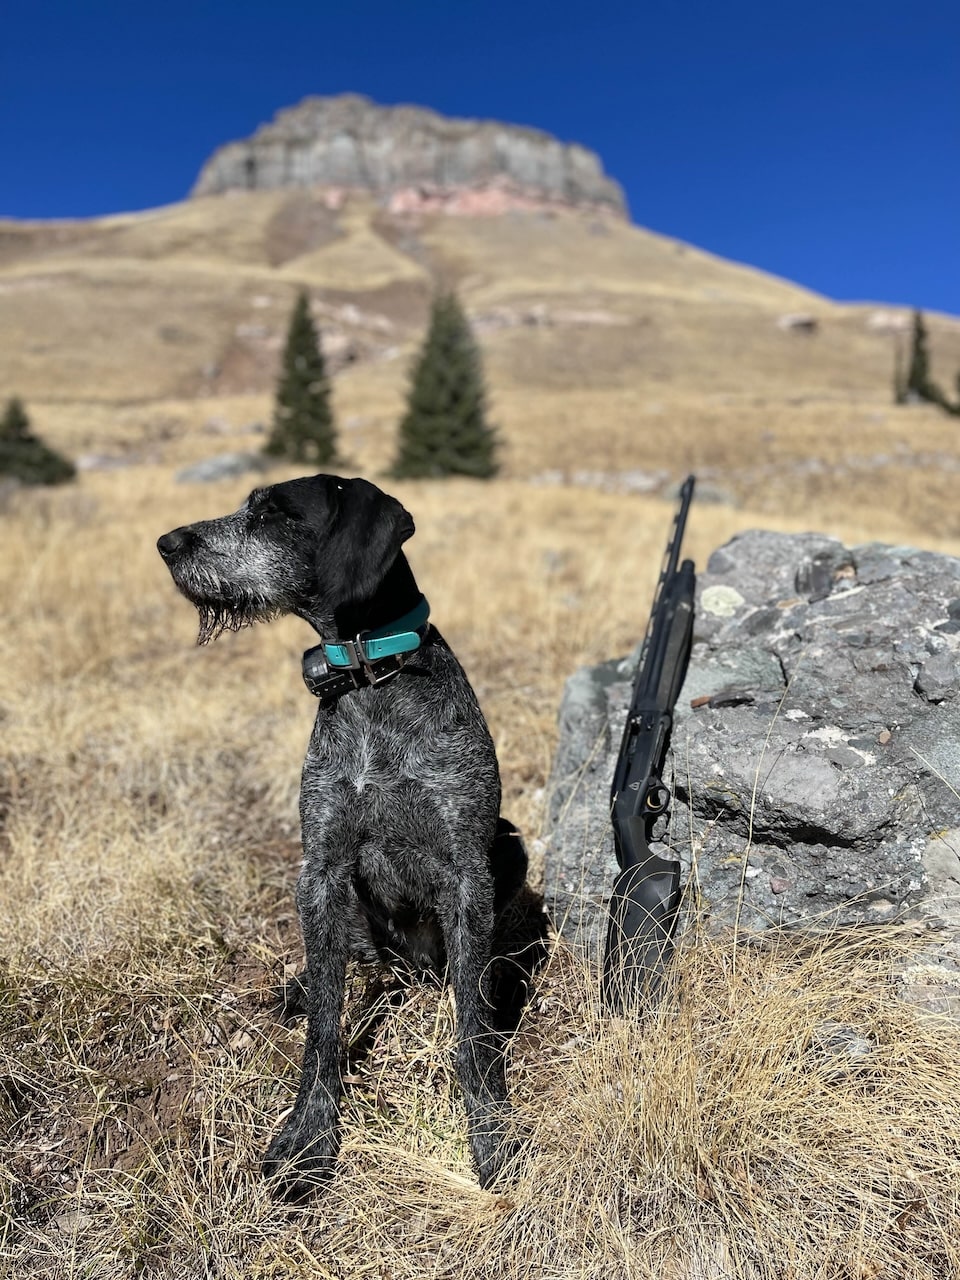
column 261, row 507
column 266, row 509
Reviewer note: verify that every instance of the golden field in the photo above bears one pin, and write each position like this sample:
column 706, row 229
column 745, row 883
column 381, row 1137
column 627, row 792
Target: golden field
column 148, row 842
column 610, row 349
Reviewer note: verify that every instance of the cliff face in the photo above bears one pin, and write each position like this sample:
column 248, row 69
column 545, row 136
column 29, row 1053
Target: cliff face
column 412, row 158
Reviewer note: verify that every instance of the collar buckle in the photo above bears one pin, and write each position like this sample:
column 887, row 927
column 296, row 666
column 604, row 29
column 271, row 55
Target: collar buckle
column 371, row 658
column 356, row 656
column 329, row 684
column 375, row 677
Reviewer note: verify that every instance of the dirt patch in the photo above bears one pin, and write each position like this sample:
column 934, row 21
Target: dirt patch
column 112, row 1072
column 406, row 303
column 299, row 226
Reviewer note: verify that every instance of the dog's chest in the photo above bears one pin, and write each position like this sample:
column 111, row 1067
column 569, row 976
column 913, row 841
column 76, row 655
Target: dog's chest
column 405, row 771
column 377, row 762
column 431, row 732
column 361, row 753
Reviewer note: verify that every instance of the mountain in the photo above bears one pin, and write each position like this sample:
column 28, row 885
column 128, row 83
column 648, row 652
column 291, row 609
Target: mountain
column 411, row 157
column 616, row 357
column 192, row 299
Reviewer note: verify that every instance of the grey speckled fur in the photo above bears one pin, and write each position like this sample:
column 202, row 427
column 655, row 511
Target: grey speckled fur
column 400, row 793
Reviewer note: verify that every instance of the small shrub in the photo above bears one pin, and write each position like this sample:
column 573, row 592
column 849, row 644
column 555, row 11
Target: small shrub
column 24, row 456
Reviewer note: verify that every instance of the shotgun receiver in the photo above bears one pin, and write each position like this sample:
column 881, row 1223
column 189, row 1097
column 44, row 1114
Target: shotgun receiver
column 646, row 896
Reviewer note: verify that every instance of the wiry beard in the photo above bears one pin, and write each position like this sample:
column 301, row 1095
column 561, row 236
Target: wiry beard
column 219, row 615
column 217, row 618
column 223, row 604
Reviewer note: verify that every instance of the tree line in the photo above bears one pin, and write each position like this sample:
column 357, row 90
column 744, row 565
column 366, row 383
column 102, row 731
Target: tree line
column 445, row 429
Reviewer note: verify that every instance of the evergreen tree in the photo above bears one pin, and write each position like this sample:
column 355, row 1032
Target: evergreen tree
column 445, row 429
column 918, row 374
column 900, row 393
column 24, row 456
column 303, row 426
column 15, row 425
column 919, row 385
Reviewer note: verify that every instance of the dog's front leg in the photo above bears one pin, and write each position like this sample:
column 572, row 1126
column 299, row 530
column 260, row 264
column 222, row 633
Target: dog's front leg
column 303, row 1154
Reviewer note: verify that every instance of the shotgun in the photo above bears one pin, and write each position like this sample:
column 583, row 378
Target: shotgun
column 646, row 896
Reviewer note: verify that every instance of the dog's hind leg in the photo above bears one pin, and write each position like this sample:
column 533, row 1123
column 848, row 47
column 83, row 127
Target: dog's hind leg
column 303, row 1154
column 467, row 923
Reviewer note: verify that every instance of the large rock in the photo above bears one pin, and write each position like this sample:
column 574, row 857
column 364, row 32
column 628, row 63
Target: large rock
column 814, row 776
column 224, row 466
column 352, row 143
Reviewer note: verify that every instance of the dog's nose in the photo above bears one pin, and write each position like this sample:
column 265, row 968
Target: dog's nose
column 172, row 542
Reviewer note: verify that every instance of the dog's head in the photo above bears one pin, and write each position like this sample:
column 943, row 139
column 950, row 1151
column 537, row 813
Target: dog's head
column 316, row 547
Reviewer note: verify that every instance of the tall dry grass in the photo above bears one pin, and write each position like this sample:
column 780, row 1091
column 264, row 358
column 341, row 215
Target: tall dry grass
column 147, row 857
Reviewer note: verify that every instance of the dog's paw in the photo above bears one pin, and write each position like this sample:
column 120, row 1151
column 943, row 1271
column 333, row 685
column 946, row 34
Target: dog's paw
column 494, row 1150
column 298, row 1165
column 495, row 1168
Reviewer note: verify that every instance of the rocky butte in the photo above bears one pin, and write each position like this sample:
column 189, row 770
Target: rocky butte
column 412, row 159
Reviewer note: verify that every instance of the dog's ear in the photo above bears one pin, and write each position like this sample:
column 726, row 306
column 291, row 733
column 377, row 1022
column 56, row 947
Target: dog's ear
column 368, row 532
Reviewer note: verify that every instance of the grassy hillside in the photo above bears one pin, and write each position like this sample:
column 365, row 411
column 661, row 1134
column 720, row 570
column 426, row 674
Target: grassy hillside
column 609, row 349
column 148, row 822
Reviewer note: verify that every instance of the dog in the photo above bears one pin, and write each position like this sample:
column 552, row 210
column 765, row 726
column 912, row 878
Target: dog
column 405, row 856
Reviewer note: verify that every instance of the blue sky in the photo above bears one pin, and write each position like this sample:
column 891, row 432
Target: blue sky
column 820, row 141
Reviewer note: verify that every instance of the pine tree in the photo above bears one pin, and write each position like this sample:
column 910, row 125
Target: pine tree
column 919, row 385
column 445, row 429
column 15, row 425
column 900, row 392
column 24, row 456
column 303, row 426
column 918, row 373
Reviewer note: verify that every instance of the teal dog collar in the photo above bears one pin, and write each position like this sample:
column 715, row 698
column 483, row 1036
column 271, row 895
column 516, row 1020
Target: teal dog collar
column 402, row 636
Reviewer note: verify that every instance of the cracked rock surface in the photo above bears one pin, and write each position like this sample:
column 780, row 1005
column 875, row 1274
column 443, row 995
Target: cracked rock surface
column 813, row 778
column 352, row 143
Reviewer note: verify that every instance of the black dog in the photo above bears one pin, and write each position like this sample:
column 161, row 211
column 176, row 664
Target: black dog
column 400, row 794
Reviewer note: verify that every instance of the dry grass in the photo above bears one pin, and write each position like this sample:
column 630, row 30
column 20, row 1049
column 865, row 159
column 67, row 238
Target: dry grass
column 148, row 842
column 147, row 857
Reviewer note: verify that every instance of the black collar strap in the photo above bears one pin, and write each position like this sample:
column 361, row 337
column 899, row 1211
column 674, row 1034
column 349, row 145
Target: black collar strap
column 329, row 684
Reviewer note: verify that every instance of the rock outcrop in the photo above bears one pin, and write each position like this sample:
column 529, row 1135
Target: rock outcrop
column 411, row 157
column 815, row 776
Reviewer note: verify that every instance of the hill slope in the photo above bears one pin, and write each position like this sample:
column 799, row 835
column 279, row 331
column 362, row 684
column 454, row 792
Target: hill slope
column 610, row 349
